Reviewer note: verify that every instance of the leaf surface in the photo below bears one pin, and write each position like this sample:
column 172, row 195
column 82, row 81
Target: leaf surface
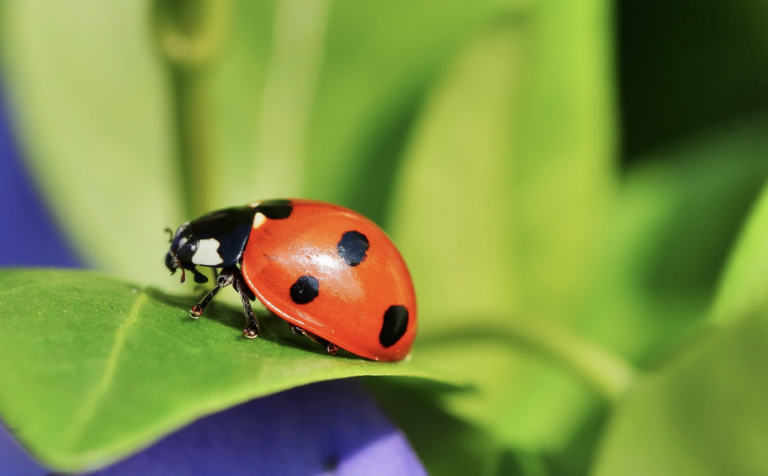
column 679, row 216
column 702, row 413
column 92, row 368
column 745, row 279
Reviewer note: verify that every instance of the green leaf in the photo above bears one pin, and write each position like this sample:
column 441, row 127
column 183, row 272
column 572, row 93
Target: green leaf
column 677, row 219
column 745, row 280
column 702, row 413
column 306, row 98
column 433, row 433
column 92, row 368
column 330, row 88
column 505, row 188
column 89, row 103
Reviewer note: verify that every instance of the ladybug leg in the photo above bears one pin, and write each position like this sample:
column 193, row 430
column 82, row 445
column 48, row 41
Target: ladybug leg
column 329, row 346
column 231, row 275
column 252, row 324
column 224, row 279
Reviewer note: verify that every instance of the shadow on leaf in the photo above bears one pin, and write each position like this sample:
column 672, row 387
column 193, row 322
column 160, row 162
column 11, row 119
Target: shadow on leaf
column 273, row 328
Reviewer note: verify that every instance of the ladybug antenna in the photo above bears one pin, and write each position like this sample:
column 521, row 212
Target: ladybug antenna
column 183, row 273
column 170, row 233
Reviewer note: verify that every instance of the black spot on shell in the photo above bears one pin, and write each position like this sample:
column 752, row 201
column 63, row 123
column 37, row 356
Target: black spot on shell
column 352, row 247
column 275, row 209
column 305, row 290
column 395, row 325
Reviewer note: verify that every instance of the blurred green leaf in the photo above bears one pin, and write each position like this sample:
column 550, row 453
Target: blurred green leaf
column 92, row 368
column 504, row 190
column 447, row 446
column 315, row 98
column 702, row 413
column 677, row 219
column 306, row 98
column 745, row 280
column 89, row 103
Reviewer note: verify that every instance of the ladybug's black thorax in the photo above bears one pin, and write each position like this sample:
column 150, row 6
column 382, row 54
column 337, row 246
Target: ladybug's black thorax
column 218, row 239
column 229, row 227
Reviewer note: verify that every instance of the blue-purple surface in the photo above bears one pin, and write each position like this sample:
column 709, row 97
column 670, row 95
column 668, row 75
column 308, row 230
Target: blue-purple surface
column 326, row 428
column 331, row 427
column 28, row 236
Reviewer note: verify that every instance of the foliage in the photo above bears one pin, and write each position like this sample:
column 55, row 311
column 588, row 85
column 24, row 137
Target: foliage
column 107, row 351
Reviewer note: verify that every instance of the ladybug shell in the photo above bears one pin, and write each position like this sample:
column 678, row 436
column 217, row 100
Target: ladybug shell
column 333, row 273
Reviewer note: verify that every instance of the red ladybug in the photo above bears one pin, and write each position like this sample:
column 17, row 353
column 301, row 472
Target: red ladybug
column 330, row 272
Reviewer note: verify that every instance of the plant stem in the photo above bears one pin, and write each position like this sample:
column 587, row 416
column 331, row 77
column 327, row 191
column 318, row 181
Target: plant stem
column 189, row 34
column 192, row 142
column 290, row 89
column 604, row 371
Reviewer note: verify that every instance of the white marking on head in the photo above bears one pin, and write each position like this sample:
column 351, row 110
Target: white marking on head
column 254, row 204
column 207, row 253
column 258, row 220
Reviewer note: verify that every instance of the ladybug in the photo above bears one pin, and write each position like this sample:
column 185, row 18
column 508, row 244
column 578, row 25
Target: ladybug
column 330, row 272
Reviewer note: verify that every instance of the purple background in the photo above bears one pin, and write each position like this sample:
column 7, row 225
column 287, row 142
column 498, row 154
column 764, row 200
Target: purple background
column 28, row 236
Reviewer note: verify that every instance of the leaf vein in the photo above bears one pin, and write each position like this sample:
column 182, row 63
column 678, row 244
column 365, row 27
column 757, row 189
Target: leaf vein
column 92, row 399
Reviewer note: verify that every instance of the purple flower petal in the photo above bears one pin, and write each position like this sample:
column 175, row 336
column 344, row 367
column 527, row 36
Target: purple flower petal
column 331, row 427
column 14, row 461
column 326, row 428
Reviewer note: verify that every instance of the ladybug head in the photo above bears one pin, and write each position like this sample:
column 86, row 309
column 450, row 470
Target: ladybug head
column 183, row 248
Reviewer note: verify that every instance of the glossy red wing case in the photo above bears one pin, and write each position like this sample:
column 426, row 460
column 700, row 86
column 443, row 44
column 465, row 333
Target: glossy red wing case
column 336, row 274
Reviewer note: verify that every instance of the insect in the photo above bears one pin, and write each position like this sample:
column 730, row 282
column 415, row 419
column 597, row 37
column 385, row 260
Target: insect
column 330, row 272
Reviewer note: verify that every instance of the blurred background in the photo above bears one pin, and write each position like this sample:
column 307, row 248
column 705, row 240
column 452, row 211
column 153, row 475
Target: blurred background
column 550, row 171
